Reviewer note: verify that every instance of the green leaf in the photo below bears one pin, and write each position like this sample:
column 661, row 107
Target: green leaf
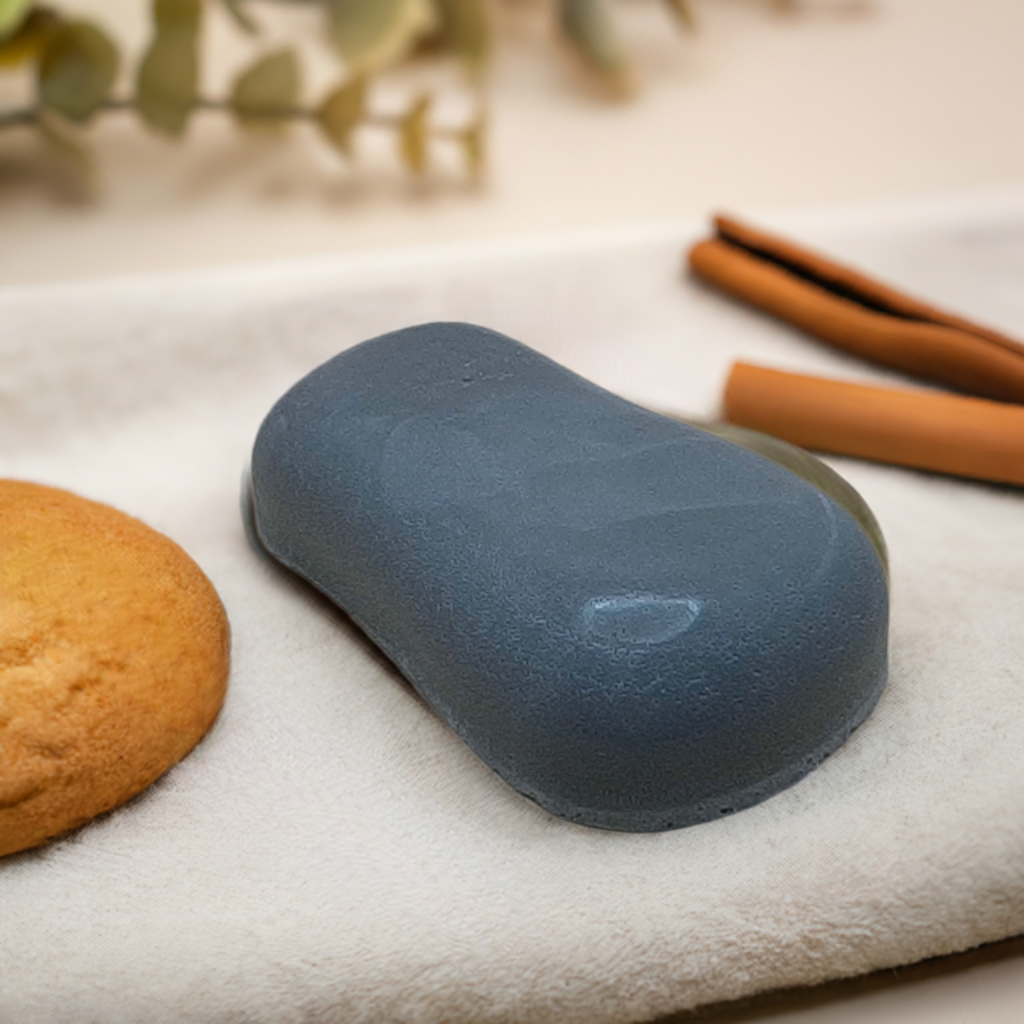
column 341, row 111
column 168, row 79
column 588, row 27
column 12, row 14
column 241, row 17
column 371, row 34
column 683, row 14
column 474, row 145
column 464, row 30
column 265, row 95
column 77, row 69
column 413, row 136
column 29, row 39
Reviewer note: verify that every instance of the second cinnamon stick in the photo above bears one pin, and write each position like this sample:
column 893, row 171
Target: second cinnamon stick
column 935, row 431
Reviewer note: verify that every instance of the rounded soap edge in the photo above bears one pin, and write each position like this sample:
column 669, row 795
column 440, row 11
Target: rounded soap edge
column 809, row 468
column 730, row 803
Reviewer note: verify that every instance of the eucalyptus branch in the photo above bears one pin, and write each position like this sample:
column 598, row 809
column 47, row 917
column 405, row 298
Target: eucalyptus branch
column 76, row 64
column 31, row 116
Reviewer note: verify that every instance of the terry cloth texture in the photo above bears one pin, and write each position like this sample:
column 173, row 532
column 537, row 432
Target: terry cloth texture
column 331, row 851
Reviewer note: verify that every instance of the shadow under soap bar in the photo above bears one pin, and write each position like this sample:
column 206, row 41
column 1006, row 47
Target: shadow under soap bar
column 635, row 623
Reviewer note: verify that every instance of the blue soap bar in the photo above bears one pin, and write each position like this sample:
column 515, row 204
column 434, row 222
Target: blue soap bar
column 637, row 624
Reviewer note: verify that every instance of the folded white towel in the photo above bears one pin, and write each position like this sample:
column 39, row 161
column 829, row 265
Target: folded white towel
column 332, row 851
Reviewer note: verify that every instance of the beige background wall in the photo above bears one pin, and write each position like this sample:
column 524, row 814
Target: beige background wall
column 842, row 101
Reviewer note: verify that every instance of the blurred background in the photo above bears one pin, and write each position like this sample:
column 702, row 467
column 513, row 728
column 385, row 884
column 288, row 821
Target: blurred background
column 756, row 105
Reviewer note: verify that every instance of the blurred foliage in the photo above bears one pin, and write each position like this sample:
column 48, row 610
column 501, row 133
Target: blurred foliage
column 373, row 34
column 167, row 86
column 12, row 13
column 588, row 26
column 340, row 113
column 25, row 38
column 266, row 94
column 76, row 63
column 76, row 69
column 463, row 29
column 413, row 135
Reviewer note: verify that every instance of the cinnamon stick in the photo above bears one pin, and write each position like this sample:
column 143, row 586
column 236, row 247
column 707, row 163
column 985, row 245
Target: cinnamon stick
column 855, row 313
column 928, row 430
column 843, row 279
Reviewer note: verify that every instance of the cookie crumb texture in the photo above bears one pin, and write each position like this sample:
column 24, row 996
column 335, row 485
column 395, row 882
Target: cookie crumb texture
column 114, row 652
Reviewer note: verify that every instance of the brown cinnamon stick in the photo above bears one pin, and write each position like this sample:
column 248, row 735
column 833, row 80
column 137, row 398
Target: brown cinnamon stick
column 843, row 279
column 929, row 430
column 854, row 312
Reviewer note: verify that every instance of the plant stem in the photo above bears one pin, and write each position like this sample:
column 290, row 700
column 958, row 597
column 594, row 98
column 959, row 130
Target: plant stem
column 30, row 115
column 11, row 118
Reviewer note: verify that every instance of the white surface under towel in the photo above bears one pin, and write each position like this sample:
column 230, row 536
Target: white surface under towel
column 332, row 852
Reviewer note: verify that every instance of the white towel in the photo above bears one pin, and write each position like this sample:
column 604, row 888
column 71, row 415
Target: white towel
column 332, row 852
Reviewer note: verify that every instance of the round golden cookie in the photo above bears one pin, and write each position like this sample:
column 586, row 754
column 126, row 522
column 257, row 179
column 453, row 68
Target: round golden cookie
column 114, row 653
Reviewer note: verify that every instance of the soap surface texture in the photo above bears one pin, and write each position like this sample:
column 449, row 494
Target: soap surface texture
column 114, row 652
column 637, row 624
